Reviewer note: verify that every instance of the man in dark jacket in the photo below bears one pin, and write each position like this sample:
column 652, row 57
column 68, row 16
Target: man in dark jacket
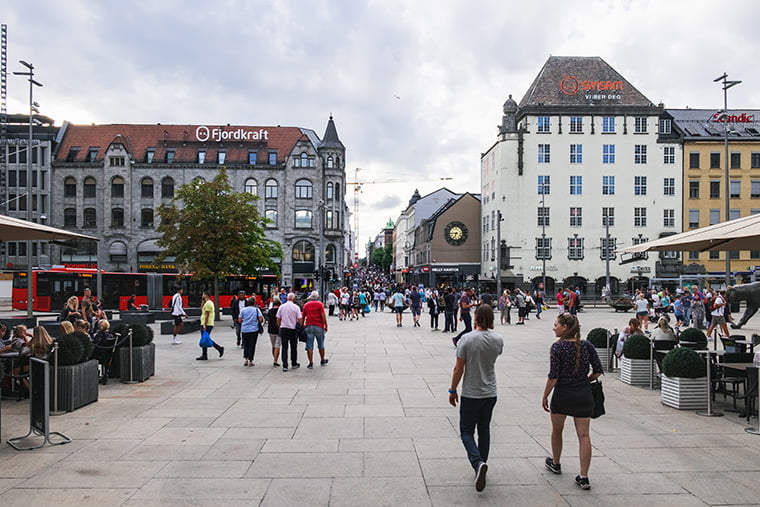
column 236, row 305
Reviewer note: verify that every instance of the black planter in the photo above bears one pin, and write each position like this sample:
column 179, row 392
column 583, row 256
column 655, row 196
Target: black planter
column 77, row 385
column 143, row 362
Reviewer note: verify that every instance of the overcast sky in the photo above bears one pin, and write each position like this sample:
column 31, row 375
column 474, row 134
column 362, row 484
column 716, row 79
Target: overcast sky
column 416, row 87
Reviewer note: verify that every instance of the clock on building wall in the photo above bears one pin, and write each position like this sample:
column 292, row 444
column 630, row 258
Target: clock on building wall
column 456, row 233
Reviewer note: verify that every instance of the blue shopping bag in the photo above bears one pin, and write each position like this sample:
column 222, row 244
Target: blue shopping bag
column 206, row 339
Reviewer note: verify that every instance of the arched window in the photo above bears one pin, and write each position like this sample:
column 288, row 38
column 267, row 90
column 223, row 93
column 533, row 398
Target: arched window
column 270, row 189
column 251, row 186
column 329, row 219
column 271, row 214
column 304, row 160
column 303, row 219
column 330, row 254
column 70, row 187
column 117, row 217
column 90, row 218
column 303, row 251
column 303, row 189
column 146, row 217
column 89, row 187
column 167, row 188
column 70, row 217
column 117, row 187
column 146, row 188
column 118, row 251
column 330, row 163
column 337, row 191
column 329, row 192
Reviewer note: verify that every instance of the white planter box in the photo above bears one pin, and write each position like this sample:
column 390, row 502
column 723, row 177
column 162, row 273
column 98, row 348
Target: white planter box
column 684, row 393
column 604, row 357
column 636, row 372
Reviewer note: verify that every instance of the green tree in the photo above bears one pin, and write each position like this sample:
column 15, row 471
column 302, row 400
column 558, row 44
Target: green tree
column 383, row 257
column 214, row 232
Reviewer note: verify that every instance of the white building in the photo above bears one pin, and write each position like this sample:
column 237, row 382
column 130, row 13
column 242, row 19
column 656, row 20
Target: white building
column 581, row 146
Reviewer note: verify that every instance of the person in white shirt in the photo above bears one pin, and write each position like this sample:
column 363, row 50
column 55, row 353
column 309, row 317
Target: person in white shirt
column 718, row 312
column 178, row 312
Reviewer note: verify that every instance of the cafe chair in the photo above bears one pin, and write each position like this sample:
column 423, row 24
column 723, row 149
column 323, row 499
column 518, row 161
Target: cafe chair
column 750, row 394
column 661, row 348
column 730, row 345
column 734, row 383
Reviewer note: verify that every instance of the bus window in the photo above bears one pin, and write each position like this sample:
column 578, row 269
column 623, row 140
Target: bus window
column 19, row 281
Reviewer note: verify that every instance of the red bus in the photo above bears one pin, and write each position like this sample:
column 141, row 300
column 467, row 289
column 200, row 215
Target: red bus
column 52, row 287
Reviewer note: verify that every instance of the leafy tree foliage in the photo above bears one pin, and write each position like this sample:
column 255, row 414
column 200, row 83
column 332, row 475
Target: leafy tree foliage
column 213, row 231
column 383, row 257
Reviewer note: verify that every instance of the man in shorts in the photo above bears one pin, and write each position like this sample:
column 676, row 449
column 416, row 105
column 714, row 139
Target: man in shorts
column 718, row 313
column 416, row 305
column 398, row 306
column 178, row 313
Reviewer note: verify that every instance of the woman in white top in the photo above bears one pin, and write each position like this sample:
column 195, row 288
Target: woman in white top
column 642, row 311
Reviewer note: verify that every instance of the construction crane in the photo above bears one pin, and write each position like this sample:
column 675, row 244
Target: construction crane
column 358, row 189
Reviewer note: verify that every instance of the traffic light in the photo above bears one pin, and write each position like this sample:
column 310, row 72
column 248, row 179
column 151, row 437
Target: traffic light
column 328, row 274
column 316, row 275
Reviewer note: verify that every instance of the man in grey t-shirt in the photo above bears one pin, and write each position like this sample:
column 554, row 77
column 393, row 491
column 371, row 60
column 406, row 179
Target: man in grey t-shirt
column 476, row 356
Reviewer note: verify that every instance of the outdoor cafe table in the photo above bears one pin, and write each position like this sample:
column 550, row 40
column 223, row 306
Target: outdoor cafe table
column 743, row 367
column 709, row 412
column 748, row 343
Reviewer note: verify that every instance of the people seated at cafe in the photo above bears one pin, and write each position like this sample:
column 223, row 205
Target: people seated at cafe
column 19, row 341
column 662, row 333
column 82, row 326
column 634, row 327
column 65, row 328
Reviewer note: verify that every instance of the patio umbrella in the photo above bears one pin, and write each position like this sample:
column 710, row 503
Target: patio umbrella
column 739, row 234
column 15, row 229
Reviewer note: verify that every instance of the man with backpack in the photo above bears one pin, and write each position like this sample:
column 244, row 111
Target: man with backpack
column 717, row 311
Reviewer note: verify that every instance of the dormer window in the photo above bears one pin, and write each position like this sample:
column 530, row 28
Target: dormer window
column 72, row 155
column 221, row 157
column 201, row 156
column 149, row 154
column 170, row 156
column 92, row 154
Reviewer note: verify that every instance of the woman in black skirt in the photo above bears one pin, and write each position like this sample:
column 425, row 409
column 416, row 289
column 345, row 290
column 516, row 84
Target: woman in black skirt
column 570, row 362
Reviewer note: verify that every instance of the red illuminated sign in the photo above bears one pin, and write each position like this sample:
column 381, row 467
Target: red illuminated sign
column 570, row 85
column 719, row 117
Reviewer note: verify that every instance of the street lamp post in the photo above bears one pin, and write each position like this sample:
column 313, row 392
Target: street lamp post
column 498, row 253
column 726, row 85
column 321, row 257
column 543, row 237
column 32, row 110
column 607, row 254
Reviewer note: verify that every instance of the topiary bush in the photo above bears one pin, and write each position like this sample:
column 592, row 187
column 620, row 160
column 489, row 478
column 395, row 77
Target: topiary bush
column 684, row 363
column 637, row 347
column 141, row 334
column 694, row 335
column 87, row 345
column 598, row 338
column 70, row 350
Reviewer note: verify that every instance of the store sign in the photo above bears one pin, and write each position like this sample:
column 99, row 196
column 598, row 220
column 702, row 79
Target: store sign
column 157, row 267
column 570, row 85
column 89, row 265
column 719, row 117
column 218, row 134
column 445, row 269
column 641, row 269
column 539, row 268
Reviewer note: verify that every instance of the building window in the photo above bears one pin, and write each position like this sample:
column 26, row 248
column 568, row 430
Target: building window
column 330, row 219
column 303, row 251
column 754, row 191
column 117, row 218
column 669, row 186
column 221, row 156
column 714, row 216
column 251, row 186
column 576, row 217
column 693, row 189
column 733, row 214
column 608, row 217
column 330, row 254
column 576, row 153
column 303, row 219
column 271, row 216
column 270, row 189
column 576, row 124
column 544, row 124
column 272, row 158
column 639, row 185
column 150, row 155
column 640, row 154
column 116, row 161
column 576, row 185
column 146, row 217
column 665, row 126
column 637, row 241
column 70, row 217
column 693, row 218
column 714, row 160
column 544, row 185
column 639, row 217
column 693, row 256
column 146, row 188
column 337, row 191
column 543, row 216
column 92, row 154
column 170, row 156
column 167, row 188
column 669, row 155
column 640, row 125
column 714, row 189
column 304, row 160
column 736, row 160
column 736, row 186
column 754, row 160
column 575, row 249
column 117, row 187
column 252, row 157
column 118, row 251
column 71, row 156
column 607, row 248
column 608, row 125
column 303, row 189
column 330, row 163
column 694, row 160
column 608, row 185
column 201, row 156
column 89, row 218
column 668, row 218
column 70, row 187
column 89, row 187
column 714, row 255
column 544, row 153
column 329, row 191
column 608, row 154
column 543, row 248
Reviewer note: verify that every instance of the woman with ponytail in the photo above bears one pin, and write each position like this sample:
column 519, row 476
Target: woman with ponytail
column 570, row 362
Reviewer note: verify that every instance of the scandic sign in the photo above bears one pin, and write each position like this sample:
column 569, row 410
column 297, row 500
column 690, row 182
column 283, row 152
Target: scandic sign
column 733, row 118
column 218, row 134
column 570, row 85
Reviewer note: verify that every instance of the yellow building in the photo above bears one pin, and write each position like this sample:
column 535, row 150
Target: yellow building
column 703, row 134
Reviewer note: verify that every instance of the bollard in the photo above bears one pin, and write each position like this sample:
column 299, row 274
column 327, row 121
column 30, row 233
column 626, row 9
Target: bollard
column 131, row 359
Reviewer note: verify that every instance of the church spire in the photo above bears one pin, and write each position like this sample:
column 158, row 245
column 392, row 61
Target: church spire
column 331, row 139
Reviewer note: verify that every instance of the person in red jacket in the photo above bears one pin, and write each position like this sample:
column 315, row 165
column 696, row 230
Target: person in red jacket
column 315, row 322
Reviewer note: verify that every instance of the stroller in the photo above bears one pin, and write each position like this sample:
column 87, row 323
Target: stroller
column 105, row 347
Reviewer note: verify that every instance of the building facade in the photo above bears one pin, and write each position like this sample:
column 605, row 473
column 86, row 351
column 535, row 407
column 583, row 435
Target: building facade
column 110, row 180
column 578, row 171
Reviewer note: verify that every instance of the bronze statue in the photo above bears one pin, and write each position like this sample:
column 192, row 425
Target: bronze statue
column 749, row 292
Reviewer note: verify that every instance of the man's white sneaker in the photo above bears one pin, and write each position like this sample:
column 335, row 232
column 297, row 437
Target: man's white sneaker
column 176, row 340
